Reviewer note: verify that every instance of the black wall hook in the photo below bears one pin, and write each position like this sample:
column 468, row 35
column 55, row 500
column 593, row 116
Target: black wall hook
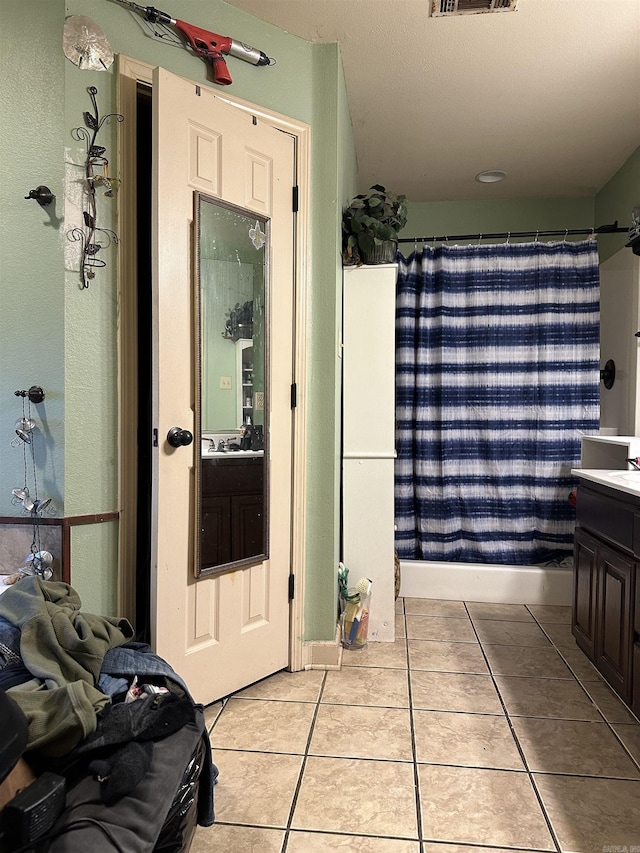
column 35, row 394
column 42, row 195
column 608, row 374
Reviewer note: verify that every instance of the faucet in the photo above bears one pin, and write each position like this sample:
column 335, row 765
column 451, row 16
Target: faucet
column 221, row 445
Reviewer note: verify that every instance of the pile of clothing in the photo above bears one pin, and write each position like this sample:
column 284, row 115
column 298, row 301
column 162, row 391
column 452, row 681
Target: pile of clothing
column 110, row 718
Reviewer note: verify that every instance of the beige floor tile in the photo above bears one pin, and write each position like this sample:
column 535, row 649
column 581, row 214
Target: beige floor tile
column 457, row 848
column 630, row 736
column 361, row 732
column 581, row 665
column 393, row 655
column 287, row 687
column 526, row 661
column 510, row 612
column 550, row 613
column 573, row 747
column 475, row 795
column 592, row 815
column 435, row 607
column 239, row 839
column 609, row 705
column 338, row 794
column 446, row 628
column 468, row 740
column 454, row 691
column 505, row 633
column 546, row 697
column 263, row 725
column 475, row 806
column 446, row 657
column 255, row 787
column 367, row 686
column 561, row 637
column 316, row 842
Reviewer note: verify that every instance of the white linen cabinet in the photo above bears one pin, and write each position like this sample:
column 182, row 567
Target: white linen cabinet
column 368, row 452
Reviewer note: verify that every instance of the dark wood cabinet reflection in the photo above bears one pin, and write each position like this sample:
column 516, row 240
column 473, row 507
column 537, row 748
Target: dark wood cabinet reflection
column 232, row 525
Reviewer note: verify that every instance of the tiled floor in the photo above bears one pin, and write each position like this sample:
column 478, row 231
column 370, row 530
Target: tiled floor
column 483, row 727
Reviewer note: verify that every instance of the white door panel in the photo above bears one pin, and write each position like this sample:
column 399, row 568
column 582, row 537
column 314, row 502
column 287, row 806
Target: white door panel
column 220, row 633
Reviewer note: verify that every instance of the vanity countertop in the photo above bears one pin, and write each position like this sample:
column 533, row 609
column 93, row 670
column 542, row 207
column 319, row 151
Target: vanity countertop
column 625, row 481
column 219, row 455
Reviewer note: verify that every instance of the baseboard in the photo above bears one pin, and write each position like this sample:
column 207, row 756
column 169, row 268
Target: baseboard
column 324, row 655
column 491, row 583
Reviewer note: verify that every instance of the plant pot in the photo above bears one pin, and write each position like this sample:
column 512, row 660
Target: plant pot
column 385, row 253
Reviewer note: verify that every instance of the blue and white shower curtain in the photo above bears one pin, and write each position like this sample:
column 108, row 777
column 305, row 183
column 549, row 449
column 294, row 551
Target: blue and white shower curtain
column 497, row 379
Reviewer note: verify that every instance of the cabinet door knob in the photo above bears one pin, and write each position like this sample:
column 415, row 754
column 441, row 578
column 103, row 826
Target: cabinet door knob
column 178, row 437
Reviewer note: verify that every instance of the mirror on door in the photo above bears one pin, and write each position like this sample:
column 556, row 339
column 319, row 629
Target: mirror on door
column 232, row 251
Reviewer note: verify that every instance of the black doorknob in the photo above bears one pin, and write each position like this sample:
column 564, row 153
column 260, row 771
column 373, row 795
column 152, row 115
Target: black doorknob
column 178, row 437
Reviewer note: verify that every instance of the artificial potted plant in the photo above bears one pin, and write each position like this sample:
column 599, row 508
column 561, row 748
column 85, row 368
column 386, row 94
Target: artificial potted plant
column 370, row 226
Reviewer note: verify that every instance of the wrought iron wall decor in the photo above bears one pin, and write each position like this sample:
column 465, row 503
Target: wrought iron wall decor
column 93, row 238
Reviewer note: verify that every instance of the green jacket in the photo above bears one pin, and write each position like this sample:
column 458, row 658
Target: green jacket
column 63, row 649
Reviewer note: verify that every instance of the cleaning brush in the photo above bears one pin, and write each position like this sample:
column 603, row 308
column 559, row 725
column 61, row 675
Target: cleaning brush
column 364, row 587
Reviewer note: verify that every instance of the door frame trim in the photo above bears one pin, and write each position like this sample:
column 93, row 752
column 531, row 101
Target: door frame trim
column 130, row 72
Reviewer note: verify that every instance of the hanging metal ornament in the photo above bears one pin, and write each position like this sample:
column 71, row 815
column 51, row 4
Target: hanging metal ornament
column 23, row 437
column 19, row 495
column 84, row 43
column 25, row 424
column 41, row 563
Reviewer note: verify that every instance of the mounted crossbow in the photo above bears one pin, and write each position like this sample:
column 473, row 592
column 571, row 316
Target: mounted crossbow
column 212, row 47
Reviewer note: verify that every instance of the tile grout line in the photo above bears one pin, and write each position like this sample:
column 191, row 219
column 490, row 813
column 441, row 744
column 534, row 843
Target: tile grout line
column 517, row 742
column 223, row 705
column 294, row 800
column 414, row 753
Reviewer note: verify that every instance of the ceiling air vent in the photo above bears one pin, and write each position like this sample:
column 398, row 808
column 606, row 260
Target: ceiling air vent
column 471, row 7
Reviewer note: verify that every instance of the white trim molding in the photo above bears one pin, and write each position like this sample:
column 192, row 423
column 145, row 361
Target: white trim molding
column 497, row 584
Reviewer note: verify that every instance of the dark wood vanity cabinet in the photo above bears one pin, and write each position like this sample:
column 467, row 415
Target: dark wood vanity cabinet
column 585, row 587
column 606, row 613
column 232, row 519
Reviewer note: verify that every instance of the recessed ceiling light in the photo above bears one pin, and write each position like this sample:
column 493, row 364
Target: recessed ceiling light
column 491, row 177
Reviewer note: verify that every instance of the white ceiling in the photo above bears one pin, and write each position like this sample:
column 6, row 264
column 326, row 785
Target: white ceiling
column 549, row 93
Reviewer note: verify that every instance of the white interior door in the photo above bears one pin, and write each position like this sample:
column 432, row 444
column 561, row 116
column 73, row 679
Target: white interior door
column 220, row 633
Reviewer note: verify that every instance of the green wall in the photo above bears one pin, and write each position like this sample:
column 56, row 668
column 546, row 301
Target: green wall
column 614, row 202
column 31, row 242
column 495, row 216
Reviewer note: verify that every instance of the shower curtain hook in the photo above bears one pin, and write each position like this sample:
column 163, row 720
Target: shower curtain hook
column 508, row 236
column 565, row 235
column 537, row 235
column 479, row 238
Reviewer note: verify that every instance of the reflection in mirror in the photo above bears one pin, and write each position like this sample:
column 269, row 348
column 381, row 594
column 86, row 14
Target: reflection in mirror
column 232, row 248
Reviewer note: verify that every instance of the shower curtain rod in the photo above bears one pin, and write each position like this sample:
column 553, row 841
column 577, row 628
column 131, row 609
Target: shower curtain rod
column 507, row 235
